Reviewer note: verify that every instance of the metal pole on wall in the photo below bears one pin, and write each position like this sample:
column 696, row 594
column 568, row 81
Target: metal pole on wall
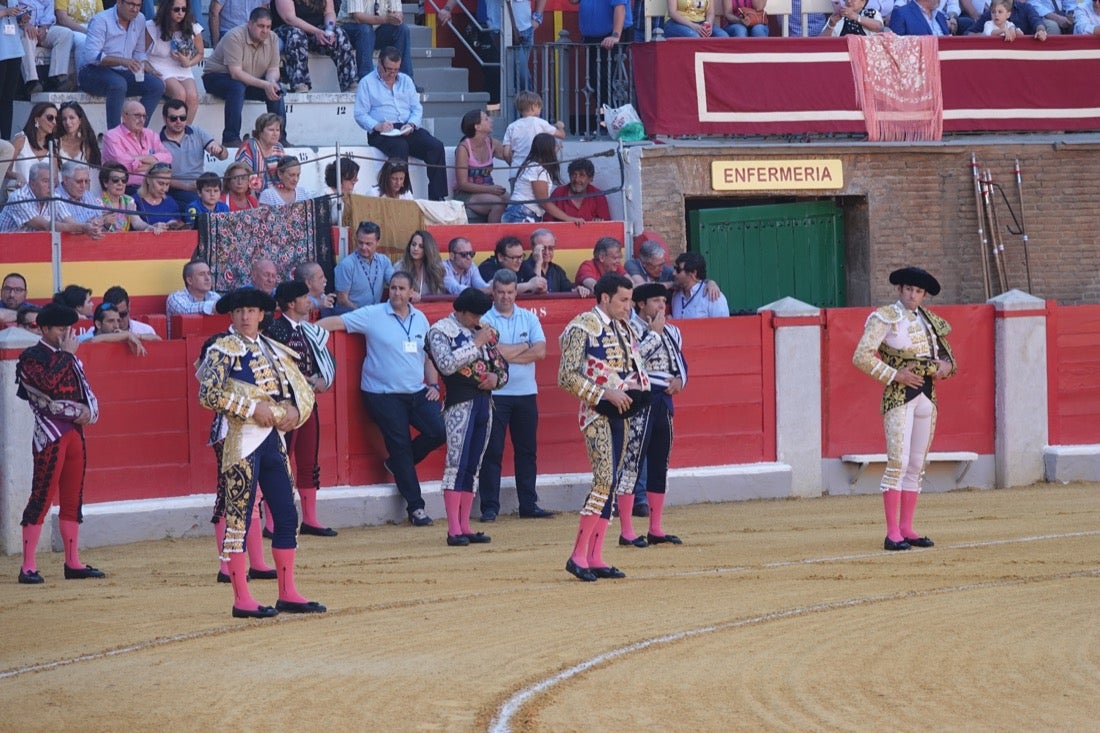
column 342, row 240
column 55, row 236
column 504, row 61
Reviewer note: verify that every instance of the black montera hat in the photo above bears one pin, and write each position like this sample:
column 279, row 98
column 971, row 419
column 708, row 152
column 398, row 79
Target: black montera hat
column 246, row 297
column 56, row 314
column 916, row 276
column 472, row 300
column 649, row 290
column 290, row 291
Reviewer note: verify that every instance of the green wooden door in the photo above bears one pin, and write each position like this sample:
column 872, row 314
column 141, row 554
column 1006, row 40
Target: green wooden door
column 759, row 254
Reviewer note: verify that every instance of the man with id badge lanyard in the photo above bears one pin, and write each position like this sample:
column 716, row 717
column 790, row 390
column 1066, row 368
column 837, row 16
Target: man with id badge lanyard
column 362, row 276
column 400, row 385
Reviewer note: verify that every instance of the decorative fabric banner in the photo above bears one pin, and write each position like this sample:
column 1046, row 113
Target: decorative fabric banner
column 286, row 235
column 897, row 82
column 398, row 219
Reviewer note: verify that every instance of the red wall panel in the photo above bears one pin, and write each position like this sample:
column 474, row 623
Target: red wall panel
column 1073, row 351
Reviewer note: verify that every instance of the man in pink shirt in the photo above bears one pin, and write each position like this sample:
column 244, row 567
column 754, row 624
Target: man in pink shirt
column 134, row 145
column 607, row 256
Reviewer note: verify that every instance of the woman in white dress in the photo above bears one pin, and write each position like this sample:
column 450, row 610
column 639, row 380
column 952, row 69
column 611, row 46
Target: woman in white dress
column 174, row 42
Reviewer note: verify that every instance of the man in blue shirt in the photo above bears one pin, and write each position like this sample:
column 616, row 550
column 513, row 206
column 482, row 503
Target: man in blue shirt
column 113, row 60
column 459, row 272
column 400, row 385
column 362, row 275
column 689, row 299
column 388, row 107
column 515, row 405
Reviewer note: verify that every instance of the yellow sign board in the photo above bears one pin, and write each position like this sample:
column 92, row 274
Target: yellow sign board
column 770, row 175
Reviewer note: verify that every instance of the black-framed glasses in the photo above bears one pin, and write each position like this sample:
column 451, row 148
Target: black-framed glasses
column 11, row 289
column 513, row 258
column 464, row 254
column 176, row 118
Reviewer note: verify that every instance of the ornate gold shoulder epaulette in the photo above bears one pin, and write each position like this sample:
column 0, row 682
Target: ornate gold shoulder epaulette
column 229, row 345
column 887, row 314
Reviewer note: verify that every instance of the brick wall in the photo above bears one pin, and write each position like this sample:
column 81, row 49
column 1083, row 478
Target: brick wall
column 915, row 205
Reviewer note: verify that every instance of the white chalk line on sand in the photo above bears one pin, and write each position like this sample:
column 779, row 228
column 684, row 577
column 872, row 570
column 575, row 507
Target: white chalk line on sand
column 163, row 641
column 501, row 722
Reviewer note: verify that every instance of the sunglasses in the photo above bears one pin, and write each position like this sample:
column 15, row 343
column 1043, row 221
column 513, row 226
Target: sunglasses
column 180, row 10
column 678, row 268
column 176, row 118
column 124, row 314
column 117, row 179
column 50, row 118
column 160, row 167
column 464, row 254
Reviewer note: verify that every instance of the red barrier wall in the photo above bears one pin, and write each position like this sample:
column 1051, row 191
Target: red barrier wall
column 852, row 422
column 1073, row 351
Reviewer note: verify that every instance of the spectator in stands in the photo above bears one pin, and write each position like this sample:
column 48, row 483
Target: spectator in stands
column 361, row 277
column 197, row 296
column 689, row 300
column 76, row 139
column 245, row 65
column 238, row 193
column 424, row 264
column 474, row 155
column 75, row 202
column 999, row 25
column 264, row 276
column 114, row 63
column 695, row 19
column 1055, row 22
column 32, row 145
column 651, row 265
column 740, row 24
column 225, row 15
column 1086, row 18
column 11, row 58
column 853, row 18
column 607, row 256
column 285, row 189
column 313, row 275
column 263, row 151
column 971, row 10
column 112, row 181
column 77, row 297
column 919, row 18
column 519, row 135
column 153, row 201
column 349, row 176
column 28, row 208
column 1024, row 16
column 309, row 26
column 27, row 317
column 541, row 264
column 459, row 272
column 188, row 145
column 603, row 25
column 532, row 187
column 388, row 107
column 394, row 181
column 107, row 329
column 134, row 145
column 174, row 41
column 579, row 198
column 13, row 294
column 209, row 200
column 75, row 15
column 381, row 23
column 117, row 294
column 40, row 28
column 6, row 156
column 525, row 21
column 508, row 255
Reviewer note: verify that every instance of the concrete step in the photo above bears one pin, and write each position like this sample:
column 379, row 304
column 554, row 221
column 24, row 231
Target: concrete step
column 443, row 78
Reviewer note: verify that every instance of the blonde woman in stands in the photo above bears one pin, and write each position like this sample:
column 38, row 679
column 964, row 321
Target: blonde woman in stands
column 153, row 201
column 263, row 151
column 285, row 190
column 424, row 264
column 474, row 156
column 32, row 144
column 394, row 181
column 237, row 186
column 112, row 181
column 738, row 26
column 76, row 140
column 693, row 19
column 174, row 43
column 853, row 18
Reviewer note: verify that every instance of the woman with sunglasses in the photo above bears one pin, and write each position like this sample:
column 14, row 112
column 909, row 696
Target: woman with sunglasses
column 112, row 179
column 174, row 42
column 424, row 264
column 32, row 144
column 285, row 190
column 76, row 140
column 153, row 201
column 237, row 186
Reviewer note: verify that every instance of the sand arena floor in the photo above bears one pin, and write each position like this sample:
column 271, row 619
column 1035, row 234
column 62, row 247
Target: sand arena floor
column 774, row 615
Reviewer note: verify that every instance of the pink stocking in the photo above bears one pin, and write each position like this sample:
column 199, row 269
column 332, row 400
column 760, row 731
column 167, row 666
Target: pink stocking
column 219, row 537
column 891, row 501
column 464, row 515
column 269, row 521
column 254, row 543
column 452, row 503
column 70, row 534
column 31, row 533
column 626, row 515
column 284, row 564
column 309, row 507
column 595, row 545
column 908, row 509
column 238, row 576
column 584, row 535
column 656, row 509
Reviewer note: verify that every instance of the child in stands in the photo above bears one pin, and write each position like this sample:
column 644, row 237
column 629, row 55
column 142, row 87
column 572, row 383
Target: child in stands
column 519, row 134
column 999, row 24
column 209, row 187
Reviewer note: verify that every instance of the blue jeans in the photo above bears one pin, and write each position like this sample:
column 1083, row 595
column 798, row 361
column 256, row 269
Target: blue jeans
column 520, row 415
column 234, row 93
column 679, row 30
column 394, row 414
column 524, row 42
column 116, row 86
column 738, row 30
column 365, row 37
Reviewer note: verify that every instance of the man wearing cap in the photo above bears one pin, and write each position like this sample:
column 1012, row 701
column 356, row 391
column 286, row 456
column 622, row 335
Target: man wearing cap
column 51, row 379
column 465, row 354
column 661, row 347
column 255, row 384
column 600, row 364
column 293, row 329
column 905, row 347
column 400, row 385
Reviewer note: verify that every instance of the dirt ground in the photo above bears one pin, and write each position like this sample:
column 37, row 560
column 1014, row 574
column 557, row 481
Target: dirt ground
column 773, row 615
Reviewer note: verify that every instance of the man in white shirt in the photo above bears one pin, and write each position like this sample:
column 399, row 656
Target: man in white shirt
column 459, row 272
column 690, row 300
column 197, row 297
column 77, row 205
